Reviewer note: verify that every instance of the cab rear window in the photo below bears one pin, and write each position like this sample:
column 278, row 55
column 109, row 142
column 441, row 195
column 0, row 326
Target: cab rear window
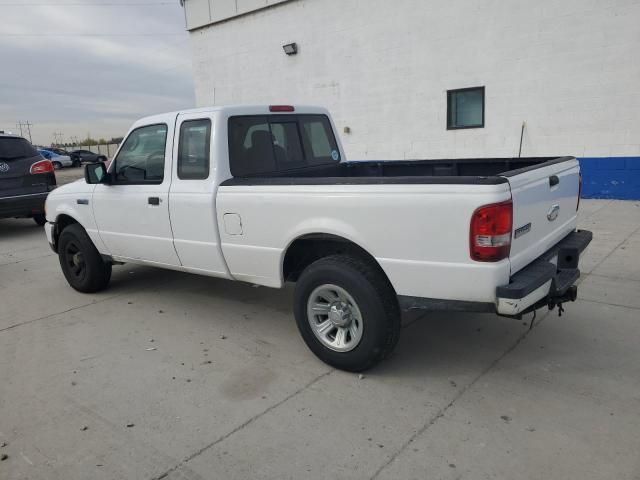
column 268, row 144
column 11, row 148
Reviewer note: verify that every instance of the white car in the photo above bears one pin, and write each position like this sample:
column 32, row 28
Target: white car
column 264, row 194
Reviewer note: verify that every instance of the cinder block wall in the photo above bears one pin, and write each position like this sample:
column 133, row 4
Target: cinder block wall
column 570, row 69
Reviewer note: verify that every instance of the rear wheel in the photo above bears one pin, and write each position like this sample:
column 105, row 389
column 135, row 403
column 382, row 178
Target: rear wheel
column 57, row 165
column 40, row 219
column 347, row 312
column 81, row 263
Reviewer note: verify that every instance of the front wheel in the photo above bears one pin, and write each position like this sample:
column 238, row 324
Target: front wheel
column 347, row 312
column 82, row 264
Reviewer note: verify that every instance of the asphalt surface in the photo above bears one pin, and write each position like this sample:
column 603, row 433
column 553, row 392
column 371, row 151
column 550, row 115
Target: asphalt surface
column 67, row 175
column 175, row 376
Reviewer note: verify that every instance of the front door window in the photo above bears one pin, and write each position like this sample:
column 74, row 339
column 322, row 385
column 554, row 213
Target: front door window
column 141, row 158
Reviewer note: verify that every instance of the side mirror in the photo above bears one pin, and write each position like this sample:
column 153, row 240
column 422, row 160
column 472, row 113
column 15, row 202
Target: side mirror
column 96, row 173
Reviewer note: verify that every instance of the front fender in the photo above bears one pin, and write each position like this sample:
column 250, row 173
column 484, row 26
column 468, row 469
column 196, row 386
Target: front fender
column 73, row 205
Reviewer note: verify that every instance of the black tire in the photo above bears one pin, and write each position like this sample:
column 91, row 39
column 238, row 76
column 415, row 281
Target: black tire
column 375, row 299
column 40, row 219
column 81, row 263
column 57, row 165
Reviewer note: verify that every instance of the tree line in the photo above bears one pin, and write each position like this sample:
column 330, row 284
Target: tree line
column 88, row 142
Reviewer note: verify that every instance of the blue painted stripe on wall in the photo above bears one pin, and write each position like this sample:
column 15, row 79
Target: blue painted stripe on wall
column 611, row 177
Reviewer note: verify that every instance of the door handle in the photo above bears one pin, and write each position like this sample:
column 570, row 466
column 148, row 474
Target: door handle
column 553, row 180
column 154, row 200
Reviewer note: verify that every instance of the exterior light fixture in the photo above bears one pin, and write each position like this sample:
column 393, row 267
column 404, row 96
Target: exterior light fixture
column 291, row 49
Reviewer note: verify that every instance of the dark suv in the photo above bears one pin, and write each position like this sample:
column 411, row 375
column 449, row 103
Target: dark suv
column 86, row 156
column 25, row 179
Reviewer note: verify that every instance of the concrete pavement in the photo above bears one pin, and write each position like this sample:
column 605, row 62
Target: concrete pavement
column 67, row 175
column 184, row 377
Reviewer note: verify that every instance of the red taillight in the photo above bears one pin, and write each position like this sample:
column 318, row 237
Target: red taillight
column 43, row 166
column 281, row 108
column 490, row 234
column 579, row 190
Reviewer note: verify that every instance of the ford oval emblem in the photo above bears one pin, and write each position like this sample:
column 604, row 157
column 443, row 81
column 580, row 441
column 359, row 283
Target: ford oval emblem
column 4, row 167
column 553, row 213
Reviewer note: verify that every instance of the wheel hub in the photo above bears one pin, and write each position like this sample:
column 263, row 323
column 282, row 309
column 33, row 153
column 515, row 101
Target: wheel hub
column 77, row 259
column 335, row 318
column 340, row 314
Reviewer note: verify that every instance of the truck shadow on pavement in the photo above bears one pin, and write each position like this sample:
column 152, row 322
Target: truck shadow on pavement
column 445, row 345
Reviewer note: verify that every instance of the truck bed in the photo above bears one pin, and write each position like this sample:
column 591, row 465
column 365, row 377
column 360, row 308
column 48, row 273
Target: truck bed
column 457, row 171
column 382, row 207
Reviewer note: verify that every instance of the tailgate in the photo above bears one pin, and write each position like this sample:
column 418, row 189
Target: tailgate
column 545, row 200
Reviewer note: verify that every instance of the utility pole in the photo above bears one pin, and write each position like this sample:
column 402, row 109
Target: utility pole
column 28, row 125
column 58, row 137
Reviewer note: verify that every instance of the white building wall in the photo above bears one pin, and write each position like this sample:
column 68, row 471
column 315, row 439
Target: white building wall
column 570, row 69
column 204, row 12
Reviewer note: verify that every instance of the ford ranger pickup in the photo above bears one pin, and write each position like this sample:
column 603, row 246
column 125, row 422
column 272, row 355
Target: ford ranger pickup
column 265, row 195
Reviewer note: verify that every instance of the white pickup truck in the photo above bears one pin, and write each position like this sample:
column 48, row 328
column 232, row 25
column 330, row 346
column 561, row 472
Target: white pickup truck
column 264, row 194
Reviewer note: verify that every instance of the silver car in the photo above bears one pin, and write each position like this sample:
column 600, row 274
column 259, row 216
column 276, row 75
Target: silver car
column 58, row 161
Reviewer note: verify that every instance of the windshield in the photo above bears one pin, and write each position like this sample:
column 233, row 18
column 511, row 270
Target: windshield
column 11, row 148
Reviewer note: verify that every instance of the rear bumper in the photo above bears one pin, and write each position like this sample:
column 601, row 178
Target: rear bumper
column 22, row 205
column 549, row 280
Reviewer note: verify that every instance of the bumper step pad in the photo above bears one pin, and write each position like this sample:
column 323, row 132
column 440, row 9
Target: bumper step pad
column 542, row 270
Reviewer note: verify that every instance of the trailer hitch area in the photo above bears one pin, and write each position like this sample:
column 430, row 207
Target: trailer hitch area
column 552, row 301
column 570, row 295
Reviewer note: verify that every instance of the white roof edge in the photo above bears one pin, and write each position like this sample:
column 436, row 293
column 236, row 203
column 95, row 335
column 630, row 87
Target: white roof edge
column 262, row 109
column 192, row 26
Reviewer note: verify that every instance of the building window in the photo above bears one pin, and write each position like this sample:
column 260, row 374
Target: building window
column 465, row 108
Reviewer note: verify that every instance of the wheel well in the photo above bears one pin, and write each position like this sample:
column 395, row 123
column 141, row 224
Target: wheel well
column 62, row 222
column 309, row 248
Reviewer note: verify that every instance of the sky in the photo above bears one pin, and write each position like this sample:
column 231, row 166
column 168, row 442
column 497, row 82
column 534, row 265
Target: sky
column 80, row 67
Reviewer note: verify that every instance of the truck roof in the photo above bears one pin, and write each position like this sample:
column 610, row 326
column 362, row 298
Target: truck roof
column 231, row 110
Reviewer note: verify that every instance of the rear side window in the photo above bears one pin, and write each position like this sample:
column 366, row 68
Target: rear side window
column 11, row 148
column 193, row 150
column 260, row 145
